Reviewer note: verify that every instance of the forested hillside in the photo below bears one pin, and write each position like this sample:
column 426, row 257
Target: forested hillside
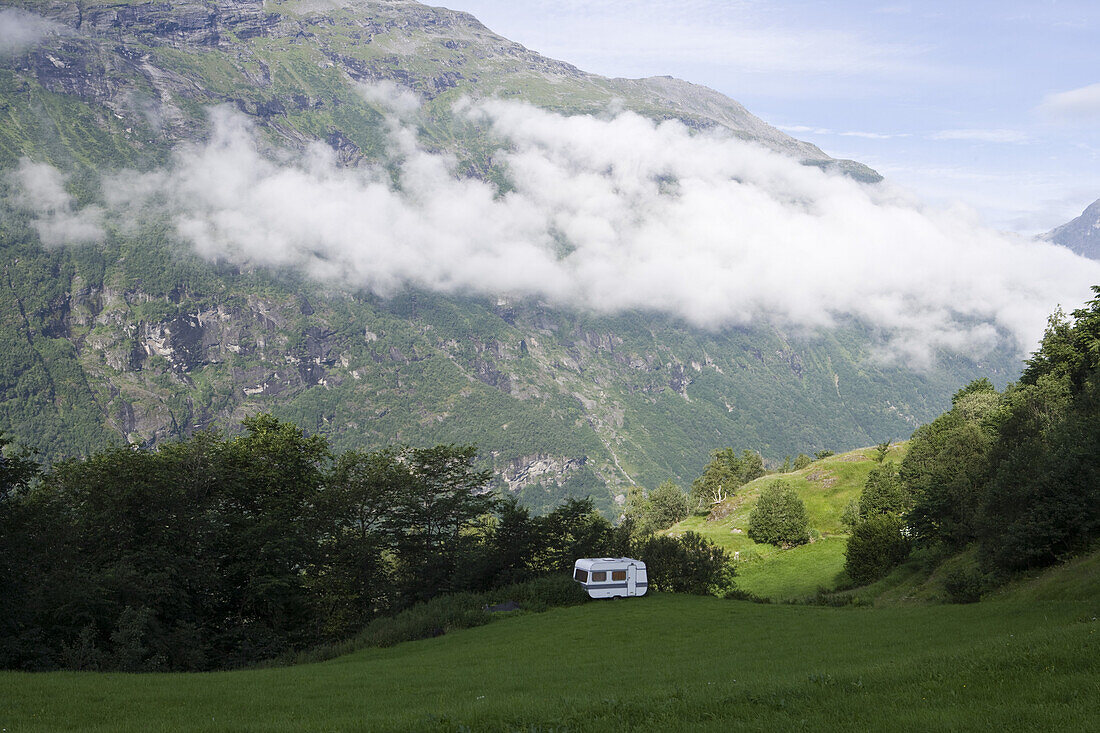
column 131, row 336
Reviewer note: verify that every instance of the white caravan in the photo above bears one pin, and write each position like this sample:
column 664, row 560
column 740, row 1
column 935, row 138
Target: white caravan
column 610, row 577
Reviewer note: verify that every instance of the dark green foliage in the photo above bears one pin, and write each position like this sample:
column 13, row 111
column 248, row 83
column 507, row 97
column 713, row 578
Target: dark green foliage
column 1043, row 500
column 689, row 563
column 1018, row 472
column 216, row 552
column 883, row 493
column 947, row 466
column 779, row 517
column 660, row 509
column 824, row 454
column 802, row 461
column 881, row 450
column 876, row 545
column 964, row 585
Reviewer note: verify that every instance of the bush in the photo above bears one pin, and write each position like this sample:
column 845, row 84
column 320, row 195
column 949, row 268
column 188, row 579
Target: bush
column 779, row 517
column 876, row 546
column 687, row 564
column 963, row 585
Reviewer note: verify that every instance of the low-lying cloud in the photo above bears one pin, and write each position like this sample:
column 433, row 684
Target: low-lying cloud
column 40, row 188
column 20, row 29
column 615, row 214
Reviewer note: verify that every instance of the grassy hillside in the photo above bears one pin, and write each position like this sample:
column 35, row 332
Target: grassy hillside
column 825, row 486
column 659, row 662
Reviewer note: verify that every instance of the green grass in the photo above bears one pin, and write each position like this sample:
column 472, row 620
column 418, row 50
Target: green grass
column 794, row 574
column 825, row 487
column 657, row 663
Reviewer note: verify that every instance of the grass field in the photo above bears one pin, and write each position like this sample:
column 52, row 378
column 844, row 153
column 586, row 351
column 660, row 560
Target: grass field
column 825, row 487
column 661, row 662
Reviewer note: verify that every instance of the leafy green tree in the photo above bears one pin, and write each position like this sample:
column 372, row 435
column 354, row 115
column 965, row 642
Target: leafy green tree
column 881, row 451
column 823, row 454
column 883, row 493
column 876, row 545
column 660, row 509
column 575, row 529
column 802, row 461
column 438, row 499
column 779, row 517
column 353, row 581
column 272, row 476
column 947, row 466
column 724, row 474
column 668, row 504
column 18, row 469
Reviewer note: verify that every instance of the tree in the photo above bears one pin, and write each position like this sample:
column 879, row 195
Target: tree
column 438, row 497
column 823, row 454
column 881, row 451
column 575, row 529
column 876, row 545
column 353, row 581
column 271, row 477
column 668, row 504
column 947, row 467
column 883, row 493
column 779, row 517
column 802, row 461
column 724, row 474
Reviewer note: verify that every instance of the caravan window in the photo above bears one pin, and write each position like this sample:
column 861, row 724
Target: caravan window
column 581, row 575
column 599, row 576
column 618, row 575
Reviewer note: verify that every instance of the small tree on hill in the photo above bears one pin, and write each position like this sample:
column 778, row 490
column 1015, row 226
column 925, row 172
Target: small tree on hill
column 724, row 474
column 883, row 493
column 802, row 461
column 876, row 546
column 779, row 517
column 668, row 504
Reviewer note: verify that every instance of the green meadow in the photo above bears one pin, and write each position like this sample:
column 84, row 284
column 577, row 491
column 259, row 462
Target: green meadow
column 825, row 487
column 661, row 662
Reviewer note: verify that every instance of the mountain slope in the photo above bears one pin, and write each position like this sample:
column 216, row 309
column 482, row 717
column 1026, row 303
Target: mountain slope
column 135, row 337
column 1082, row 235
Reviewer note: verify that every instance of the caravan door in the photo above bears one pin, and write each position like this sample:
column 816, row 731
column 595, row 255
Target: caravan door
column 632, row 580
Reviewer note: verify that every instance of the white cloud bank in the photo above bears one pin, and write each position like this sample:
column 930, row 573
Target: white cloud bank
column 616, row 214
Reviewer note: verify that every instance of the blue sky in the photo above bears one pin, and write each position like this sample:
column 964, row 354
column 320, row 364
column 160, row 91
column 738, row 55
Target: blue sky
column 994, row 105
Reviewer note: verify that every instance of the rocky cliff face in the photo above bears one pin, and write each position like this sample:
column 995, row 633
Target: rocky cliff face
column 120, row 55
column 1082, row 235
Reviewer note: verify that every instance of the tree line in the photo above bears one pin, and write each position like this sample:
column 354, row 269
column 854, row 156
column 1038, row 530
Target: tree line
column 1015, row 475
column 219, row 551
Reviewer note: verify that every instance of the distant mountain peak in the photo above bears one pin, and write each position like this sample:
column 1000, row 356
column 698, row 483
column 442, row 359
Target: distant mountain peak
column 1082, row 235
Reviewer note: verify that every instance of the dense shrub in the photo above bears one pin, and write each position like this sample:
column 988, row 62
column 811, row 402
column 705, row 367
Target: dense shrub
column 964, row 585
column 779, row 517
column 877, row 545
column 686, row 564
